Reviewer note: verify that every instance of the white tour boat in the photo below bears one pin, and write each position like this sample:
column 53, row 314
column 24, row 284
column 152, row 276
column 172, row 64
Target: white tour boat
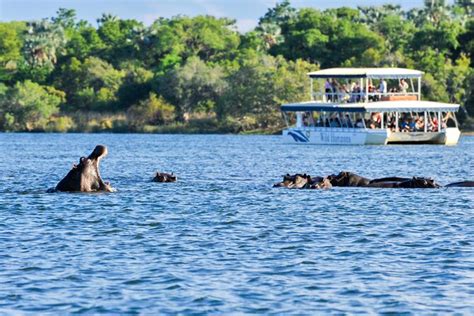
column 376, row 106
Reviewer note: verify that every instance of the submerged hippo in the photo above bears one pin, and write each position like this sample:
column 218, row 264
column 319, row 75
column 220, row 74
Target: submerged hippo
column 462, row 184
column 164, row 177
column 85, row 176
column 348, row 179
column 395, row 182
column 323, row 184
column 303, row 181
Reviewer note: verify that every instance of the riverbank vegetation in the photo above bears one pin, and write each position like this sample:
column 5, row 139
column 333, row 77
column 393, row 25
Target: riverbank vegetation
column 199, row 74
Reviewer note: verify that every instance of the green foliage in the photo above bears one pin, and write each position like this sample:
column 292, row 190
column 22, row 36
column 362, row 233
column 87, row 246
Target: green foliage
column 27, row 105
column 261, row 84
column 200, row 74
column 152, row 111
column 315, row 35
column 193, row 87
column 60, row 124
column 43, row 41
column 136, row 84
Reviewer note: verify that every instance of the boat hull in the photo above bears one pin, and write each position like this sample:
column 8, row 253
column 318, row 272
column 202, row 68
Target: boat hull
column 362, row 136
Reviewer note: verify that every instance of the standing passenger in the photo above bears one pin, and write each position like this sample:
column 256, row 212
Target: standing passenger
column 403, row 86
column 383, row 87
column 328, row 90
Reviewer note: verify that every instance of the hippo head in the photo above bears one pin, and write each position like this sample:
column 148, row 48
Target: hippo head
column 424, row 183
column 165, row 177
column 322, row 184
column 85, row 176
column 340, row 179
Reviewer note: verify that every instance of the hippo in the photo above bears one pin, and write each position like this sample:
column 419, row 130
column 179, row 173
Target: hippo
column 388, row 179
column 303, row 181
column 348, row 179
column 462, row 184
column 394, row 182
column 164, row 177
column 85, row 176
column 296, row 181
column 322, row 184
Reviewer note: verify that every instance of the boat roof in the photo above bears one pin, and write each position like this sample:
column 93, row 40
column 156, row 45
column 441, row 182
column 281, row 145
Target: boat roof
column 375, row 73
column 380, row 106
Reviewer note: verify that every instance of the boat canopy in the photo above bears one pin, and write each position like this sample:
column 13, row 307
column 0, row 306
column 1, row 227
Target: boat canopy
column 379, row 106
column 374, row 73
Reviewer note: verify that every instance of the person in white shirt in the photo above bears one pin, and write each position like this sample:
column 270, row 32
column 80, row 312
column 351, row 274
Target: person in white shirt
column 383, row 86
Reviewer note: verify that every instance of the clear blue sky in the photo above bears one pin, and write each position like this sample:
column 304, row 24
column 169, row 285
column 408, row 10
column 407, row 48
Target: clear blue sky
column 246, row 12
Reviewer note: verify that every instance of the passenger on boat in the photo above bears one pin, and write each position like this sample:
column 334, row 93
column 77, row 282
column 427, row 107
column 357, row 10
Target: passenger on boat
column 335, row 90
column 372, row 90
column 405, row 127
column 411, row 125
column 334, row 122
column 420, row 124
column 328, row 90
column 355, row 96
column 383, row 87
column 347, row 121
column 391, row 123
column 375, row 120
column 403, row 86
column 434, row 125
column 359, row 123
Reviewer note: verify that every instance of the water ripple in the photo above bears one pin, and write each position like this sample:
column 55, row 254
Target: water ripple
column 221, row 240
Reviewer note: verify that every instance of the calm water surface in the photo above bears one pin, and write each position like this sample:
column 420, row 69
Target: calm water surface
column 221, row 240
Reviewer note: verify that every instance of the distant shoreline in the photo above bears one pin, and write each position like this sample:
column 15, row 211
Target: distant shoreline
column 175, row 132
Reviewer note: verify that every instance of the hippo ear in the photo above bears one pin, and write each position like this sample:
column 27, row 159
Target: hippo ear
column 82, row 159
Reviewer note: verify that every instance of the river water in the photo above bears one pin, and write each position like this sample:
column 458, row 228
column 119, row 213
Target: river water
column 221, row 239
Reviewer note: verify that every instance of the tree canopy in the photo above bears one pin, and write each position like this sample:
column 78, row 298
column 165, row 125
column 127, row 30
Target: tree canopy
column 66, row 72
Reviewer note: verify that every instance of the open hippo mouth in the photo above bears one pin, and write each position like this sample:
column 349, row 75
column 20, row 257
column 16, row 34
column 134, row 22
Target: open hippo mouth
column 85, row 176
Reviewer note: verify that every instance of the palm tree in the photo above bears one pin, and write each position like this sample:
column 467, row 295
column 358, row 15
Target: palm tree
column 436, row 10
column 107, row 17
column 43, row 41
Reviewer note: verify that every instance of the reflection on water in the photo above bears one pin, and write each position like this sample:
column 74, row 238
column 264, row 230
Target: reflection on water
column 221, row 240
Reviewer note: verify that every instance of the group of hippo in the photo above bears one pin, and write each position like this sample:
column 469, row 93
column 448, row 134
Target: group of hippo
column 85, row 177
column 349, row 179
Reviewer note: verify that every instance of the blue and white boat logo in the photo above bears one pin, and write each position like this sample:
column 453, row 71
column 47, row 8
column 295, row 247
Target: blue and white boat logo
column 298, row 136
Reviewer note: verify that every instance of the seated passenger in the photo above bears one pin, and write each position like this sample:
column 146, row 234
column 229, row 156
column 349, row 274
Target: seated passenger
column 360, row 123
column 420, row 124
column 334, row 122
column 348, row 121
column 404, row 127
column 412, row 125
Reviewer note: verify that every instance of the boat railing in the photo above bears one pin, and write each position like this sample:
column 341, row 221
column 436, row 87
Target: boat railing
column 352, row 97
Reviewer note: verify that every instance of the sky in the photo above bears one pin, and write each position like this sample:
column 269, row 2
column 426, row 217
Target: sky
column 245, row 12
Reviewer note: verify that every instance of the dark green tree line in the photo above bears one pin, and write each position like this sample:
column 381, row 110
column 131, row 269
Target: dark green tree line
column 62, row 73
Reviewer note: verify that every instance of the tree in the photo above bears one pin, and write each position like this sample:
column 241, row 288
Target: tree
column 27, row 105
column 136, row 85
column 261, row 85
column 154, row 111
column 194, row 87
column 43, row 42
column 10, row 47
column 329, row 38
column 269, row 26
